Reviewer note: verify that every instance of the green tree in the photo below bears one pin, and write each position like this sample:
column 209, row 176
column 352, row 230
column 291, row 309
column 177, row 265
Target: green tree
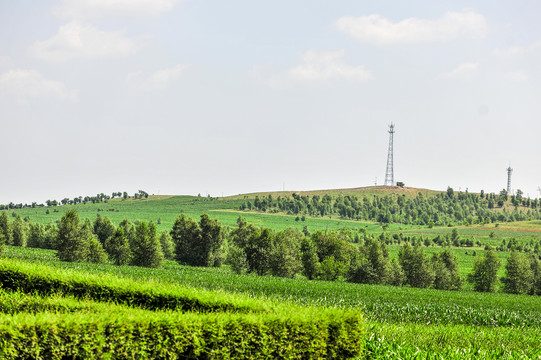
column 96, row 253
column 36, row 236
column 146, row 250
column 485, row 272
column 535, row 268
column 518, row 277
column 236, row 257
column 103, row 228
column 168, row 248
column 187, row 238
column 118, row 247
column 310, row 260
column 5, row 228
column 18, row 232
column 416, row 266
column 211, row 241
column 446, row 272
column 258, row 250
column 72, row 238
column 2, row 243
column 397, row 277
column 50, row 237
column 285, row 256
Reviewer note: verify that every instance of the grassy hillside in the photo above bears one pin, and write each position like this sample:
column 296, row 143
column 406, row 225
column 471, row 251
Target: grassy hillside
column 360, row 191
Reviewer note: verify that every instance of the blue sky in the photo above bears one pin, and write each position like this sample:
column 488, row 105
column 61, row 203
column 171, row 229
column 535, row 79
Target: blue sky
column 187, row 97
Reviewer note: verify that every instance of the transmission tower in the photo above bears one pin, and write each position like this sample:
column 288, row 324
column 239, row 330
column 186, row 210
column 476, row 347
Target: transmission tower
column 509, row 172
column 389, row 175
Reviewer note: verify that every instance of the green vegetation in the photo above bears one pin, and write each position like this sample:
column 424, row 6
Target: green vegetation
column 184, row 322
column 405, row 320
column 397, row 274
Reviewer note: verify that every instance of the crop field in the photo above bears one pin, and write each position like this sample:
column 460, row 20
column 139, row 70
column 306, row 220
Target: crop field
column 401, row 322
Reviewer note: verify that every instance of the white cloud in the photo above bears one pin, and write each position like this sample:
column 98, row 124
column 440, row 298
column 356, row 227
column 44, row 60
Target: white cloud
column 516, row 76
column 319, row 66
column 518, row 50
column 157, row 80
column 24, row 85
column 86, row 9
column 77, row 40
column 465, row 71
column 375, row 29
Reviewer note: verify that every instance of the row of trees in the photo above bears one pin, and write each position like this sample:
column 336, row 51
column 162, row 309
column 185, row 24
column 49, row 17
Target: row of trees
column 442, row 209
column 98, row 198
column 328, row 255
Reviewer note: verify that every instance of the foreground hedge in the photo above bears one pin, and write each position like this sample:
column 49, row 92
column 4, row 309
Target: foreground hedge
column 32, row 278
column 136, row 333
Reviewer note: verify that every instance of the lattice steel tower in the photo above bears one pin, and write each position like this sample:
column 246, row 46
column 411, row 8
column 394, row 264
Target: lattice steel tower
column 389, row 175
column 509, row 172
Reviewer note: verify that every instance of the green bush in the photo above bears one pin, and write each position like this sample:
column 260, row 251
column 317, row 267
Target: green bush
column 142, row 334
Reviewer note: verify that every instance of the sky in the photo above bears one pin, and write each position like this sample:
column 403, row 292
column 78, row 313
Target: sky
column 228, row 97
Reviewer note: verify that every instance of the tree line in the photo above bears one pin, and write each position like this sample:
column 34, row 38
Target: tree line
column 329, row 255
column 443, row 209
column 98, row 198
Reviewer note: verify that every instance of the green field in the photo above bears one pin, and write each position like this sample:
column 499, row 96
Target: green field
column 401, row 322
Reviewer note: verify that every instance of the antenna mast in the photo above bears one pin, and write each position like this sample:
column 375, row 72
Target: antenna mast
column 509, row 172
column 389, row 175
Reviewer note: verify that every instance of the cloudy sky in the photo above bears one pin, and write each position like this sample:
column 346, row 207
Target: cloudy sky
column 227, row 97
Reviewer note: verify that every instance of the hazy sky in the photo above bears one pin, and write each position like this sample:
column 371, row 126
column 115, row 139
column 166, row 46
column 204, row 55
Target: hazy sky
column 228, row 97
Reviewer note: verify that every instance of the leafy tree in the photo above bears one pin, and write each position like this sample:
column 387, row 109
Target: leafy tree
column 416, row 266
column 187, row 238
column 397, row 277
column 332, row 270
column 535, row 267
column 485, row 272
column 18, row 232
column 50, row 237
column 236, row 257
column 258, row 250
column 5, row 228
column 446, row 272
column 168, row 248
column 518, row 277
column 198, row 244
column 239, row 236
column 285, row 256
column 118, row 247
column 372, row 265
column 146, row 250
column 211, row 241
column 96, row 253
column 2, row 243
column 310, row 260
column 73, row 238
column 103, row 228
column 36, row 236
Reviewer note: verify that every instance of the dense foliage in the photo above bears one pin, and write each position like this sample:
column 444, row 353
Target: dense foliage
column 441, row 209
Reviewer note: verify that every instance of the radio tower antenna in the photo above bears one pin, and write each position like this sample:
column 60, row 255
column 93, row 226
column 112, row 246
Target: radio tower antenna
column 389, row 174
column 509, row 172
